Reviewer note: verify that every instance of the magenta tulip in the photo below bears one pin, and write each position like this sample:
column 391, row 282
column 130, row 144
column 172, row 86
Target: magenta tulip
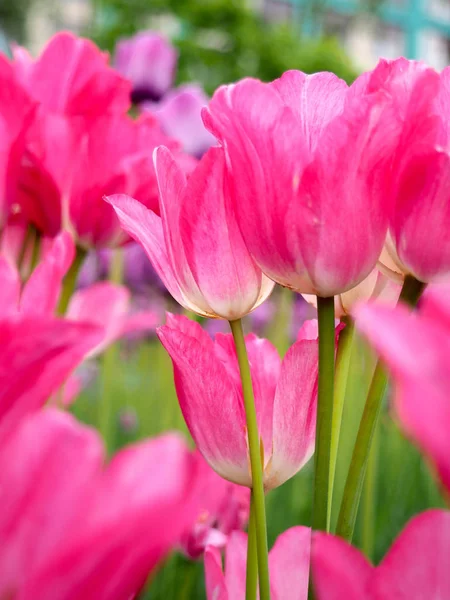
column 196, row 246
column 179, row 114
column 416, row 348
column 308, row 173
column 149, row 61
column 72, row 527
column 415, row 568
column 210, row 395
column 288, row 567
column 71, row 164
column 16, row 112
column 419, row 193
column 72, row 77
column 225, row 508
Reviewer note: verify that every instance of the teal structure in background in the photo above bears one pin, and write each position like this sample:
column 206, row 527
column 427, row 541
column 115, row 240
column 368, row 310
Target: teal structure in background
column 411, row 17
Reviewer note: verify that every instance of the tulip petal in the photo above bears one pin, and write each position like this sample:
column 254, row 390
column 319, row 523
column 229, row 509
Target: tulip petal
column 289, row 564
column 146, row 228
column 218, row 428
column 222, row 267
column 10, row 279
column 36, row 357
column 294, row 412
column 339, row 571
column 172, row 190
column 315, row 99
column 235, row 565
column 416, row 566
column 216, row 588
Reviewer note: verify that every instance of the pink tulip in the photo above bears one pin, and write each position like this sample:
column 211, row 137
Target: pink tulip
column 415, row 568
column 196, row 246
column 179, row 114
column 210, row 395
column 288, row 567
column 416, row 349
column 225, row 508
column 71, row 164
column 305, row 157
column 149, row 61
column 16, row 112
column 72, row 78
column 72, row 527
column 418, row 195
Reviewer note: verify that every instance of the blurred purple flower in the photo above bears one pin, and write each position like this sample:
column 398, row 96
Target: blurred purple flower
column 179, row 114
column 138, row 271
column 149, row 61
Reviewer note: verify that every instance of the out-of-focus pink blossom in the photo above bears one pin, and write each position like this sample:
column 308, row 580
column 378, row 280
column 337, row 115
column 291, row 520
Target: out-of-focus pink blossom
column 16, row 112
column 209, row 391
column 288, row 567
column 416, row 349
column 179, row 114
column 415, row 568
column 72, row 77
column 72, row 527
column 225, row 508
column 307, row 166
column 149, row 61
column 71, row 164
column 196, row 246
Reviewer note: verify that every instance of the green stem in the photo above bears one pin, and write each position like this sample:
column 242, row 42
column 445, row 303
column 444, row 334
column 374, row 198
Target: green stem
column 325, row 312
column 410, row 294
column 109, row 364
column 343, row 357
column 70, row 281
column 251, row 582
column 255, row 460
column 369, row 499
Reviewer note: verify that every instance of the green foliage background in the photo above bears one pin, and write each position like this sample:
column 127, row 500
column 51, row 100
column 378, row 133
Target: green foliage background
column 221, row 41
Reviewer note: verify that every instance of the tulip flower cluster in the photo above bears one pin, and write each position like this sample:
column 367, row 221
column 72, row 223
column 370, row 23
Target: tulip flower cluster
column 336, row 192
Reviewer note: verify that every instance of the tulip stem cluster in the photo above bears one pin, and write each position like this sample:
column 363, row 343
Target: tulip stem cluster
column 410, row 294
column 254, row 448
column 343, row 360
column 251, row 582
column 325, row 312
